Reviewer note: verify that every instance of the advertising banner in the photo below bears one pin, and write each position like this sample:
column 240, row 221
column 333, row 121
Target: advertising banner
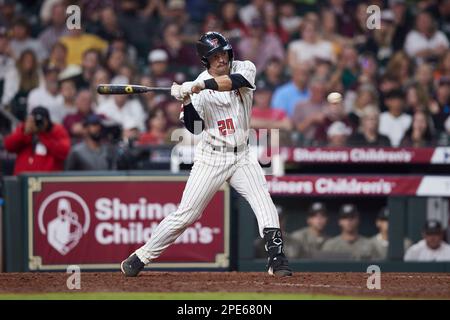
column 96, row 222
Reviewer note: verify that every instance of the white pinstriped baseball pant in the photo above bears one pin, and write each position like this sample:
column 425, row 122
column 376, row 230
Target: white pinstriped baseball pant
column 210, row 170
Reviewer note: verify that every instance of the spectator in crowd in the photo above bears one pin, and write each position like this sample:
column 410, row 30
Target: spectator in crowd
column 310, row 47
column 444, row 17
column 342, row 11
column 432, row 247
column 114, row 61
column 151, row 100
column 69, row 93
column 368, row 134
column 158, row 60
column 334, row 112
column 309, row 114
column 9, row 81
column 57, row 27
column 309, row 240
column 48, row 94
column 22, row 40
column 181, row 57
column 337, row 134
column 156, row 129
column 394, row 122
column 289, row 20
column 91, row 153
column 329, row 31
column 349, row 245
column 417, row 98
column 443, row 68
column 366, row 95
column 28, row 79
column 122, row 107
column 77, row 42
column 288, row 95
column 89, row 65
column 233, row 27
column 380, row 42
column 254, row 10
column 402, row 21
column 263, row 116
column 272, row 76
column 74, row 122
column 347, row 69
column 108, row 27
column 260, row 46
column 272, row 24
column 40, row 144
column 440, row 109
column 58, row 56
column 386, row 84
column 172, row 112
column 424, row 76
column 426, row 42
column 420, row 133
column 101, row 75
column 380, row 241
column 399, row 68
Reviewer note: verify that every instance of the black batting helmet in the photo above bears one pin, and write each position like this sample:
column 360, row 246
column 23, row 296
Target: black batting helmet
column 210, row 43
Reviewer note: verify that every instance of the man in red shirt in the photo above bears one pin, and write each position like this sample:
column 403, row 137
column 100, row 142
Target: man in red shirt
column 40, row 145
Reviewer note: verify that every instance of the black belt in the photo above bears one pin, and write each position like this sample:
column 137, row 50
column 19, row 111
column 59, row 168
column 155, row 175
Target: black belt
column 229, row 148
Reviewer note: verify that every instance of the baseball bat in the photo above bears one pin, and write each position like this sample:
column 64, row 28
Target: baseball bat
column 127, row 89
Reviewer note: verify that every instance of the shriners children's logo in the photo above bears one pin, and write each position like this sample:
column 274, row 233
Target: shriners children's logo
column 63, row 217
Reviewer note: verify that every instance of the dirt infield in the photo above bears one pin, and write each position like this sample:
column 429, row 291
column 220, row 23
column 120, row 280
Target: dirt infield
column 407, row 285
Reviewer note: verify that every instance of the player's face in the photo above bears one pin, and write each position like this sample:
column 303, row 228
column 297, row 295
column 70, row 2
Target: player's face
column 218, row 63
column 349, row 225
column 433, row 240
column 318, row 221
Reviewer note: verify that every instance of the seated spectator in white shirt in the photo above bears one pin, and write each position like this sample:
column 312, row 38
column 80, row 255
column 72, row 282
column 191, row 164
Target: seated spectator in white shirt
column 48, row 94
column 432, row 247
column 425, row 42
column 310, row 47
column 394, row 122
column 122, row 107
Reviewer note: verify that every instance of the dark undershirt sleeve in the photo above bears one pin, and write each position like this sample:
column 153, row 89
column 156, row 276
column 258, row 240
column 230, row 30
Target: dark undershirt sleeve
column 192, row 120
column 238, row 81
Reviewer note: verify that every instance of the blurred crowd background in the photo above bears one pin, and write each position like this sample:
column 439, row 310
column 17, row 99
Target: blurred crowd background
column 323, row 77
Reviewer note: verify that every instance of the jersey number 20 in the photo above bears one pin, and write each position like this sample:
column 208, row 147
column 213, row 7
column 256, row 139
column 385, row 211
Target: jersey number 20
column 226, row 126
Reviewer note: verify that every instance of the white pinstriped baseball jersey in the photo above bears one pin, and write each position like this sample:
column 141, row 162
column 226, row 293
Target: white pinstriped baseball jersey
column 227, row 122
column 226, row 114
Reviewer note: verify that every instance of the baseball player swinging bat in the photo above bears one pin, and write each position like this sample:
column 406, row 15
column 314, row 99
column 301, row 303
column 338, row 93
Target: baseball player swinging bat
column 219, row 103
column 127, row 89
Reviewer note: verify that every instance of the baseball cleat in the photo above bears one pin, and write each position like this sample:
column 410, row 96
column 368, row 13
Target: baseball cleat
column 132, row 266
column 279, row 266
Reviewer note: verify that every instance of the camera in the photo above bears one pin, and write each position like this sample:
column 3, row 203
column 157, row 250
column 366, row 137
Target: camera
column 39, row 121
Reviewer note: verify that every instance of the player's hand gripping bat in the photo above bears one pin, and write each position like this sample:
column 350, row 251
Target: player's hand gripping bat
column 127, row 89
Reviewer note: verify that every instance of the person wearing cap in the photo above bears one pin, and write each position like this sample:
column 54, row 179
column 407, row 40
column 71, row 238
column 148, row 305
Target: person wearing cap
column 310, row 239
column 394, row 122
column 91, row 153
column 380, row 241
column 334, row 111
column 425, row 42
column 368, row 135
column 40, row 144
column 158, row 60
column 338, row 134
column 349, row 245
column 432, row 247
